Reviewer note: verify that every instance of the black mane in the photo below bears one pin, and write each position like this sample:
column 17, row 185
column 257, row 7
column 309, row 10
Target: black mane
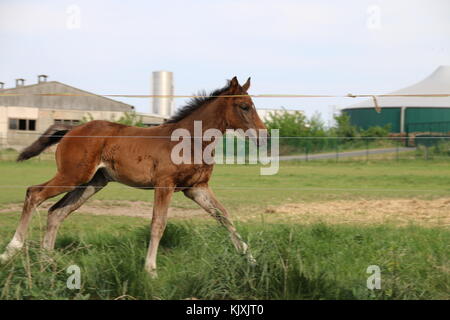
column 194, row 103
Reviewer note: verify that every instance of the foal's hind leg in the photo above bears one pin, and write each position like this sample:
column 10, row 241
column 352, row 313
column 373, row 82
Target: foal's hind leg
column 34, row 197
column 69, row 203
column 205, row 198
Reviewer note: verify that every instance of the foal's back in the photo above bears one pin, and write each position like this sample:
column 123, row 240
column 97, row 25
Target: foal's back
column 138, row 157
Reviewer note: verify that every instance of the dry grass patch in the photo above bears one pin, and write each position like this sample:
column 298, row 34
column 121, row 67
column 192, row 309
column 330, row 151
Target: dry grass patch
column 432, row 213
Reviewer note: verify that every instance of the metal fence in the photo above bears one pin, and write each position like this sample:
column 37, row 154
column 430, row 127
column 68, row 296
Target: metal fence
column 331, row 149
column 366, row 149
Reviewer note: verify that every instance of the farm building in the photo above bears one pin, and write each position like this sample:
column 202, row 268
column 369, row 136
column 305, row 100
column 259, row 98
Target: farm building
column 409, row 114
column 25, row 112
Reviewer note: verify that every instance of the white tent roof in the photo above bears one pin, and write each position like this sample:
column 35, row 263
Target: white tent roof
column 436, row 83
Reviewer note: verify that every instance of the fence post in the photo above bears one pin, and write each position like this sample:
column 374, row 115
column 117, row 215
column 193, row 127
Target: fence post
column 336, row 145
column 367, row 150
column 407, row 136
column 397, row 150
column 446, row 146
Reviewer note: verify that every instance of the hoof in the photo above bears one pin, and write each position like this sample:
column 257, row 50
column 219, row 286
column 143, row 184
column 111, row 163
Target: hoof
column 11, row 250
column 5, row 258
column 45, row 256
column 251, row 261
column 152, row 273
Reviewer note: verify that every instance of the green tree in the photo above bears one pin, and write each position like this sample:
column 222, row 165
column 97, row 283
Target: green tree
column 131, row 119
column 377, row 131
column 128, row 118
column 298, row 133
column 343, row 127
column 289, row 123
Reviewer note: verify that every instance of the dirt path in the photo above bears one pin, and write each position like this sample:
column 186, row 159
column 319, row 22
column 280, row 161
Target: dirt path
column 139, row 209
column 397, row 211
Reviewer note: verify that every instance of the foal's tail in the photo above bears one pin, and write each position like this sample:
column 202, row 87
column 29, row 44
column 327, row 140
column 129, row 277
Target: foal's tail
column 50, row 137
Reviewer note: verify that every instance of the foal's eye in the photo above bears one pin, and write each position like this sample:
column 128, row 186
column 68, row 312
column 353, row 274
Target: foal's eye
column 244, row 107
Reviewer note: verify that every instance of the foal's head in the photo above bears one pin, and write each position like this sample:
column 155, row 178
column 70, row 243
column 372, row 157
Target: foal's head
column 239, row 111
column 231, row 107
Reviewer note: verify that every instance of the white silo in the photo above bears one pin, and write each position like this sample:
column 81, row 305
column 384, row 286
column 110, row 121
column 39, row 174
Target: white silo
column 162, row 86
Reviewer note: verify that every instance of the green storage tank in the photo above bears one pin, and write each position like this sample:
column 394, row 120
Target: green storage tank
column 409, row 113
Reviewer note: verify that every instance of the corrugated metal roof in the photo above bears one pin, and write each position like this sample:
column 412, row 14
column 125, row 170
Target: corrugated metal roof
column 437, row 83
column 86, row 100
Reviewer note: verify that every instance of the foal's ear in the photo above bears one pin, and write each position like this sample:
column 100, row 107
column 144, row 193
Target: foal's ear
column 246, row 85
column 234, row 83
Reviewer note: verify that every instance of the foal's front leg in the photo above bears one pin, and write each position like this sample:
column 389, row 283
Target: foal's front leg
column 163, row 196
column 205, row 198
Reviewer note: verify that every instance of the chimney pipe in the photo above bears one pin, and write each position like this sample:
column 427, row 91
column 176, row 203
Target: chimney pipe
column 42, row 78
column 20, row 82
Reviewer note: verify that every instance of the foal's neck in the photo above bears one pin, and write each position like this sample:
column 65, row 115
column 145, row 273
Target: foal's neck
column 211, row 115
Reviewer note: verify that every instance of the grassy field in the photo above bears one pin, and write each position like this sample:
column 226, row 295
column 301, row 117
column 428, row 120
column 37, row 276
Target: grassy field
column 241, row 185
column 318, row 260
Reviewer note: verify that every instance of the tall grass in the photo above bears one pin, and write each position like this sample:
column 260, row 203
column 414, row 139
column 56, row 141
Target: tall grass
column 198, row 261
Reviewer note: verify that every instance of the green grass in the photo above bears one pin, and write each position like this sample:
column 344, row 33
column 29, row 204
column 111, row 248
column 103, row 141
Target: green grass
column 239, row 186
column 198, row 260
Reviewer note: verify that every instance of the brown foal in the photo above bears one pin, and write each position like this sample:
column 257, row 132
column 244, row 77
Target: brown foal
column 91, row 155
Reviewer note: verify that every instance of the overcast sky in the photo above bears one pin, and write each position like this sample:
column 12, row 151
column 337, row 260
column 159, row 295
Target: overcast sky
column 311, row 47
